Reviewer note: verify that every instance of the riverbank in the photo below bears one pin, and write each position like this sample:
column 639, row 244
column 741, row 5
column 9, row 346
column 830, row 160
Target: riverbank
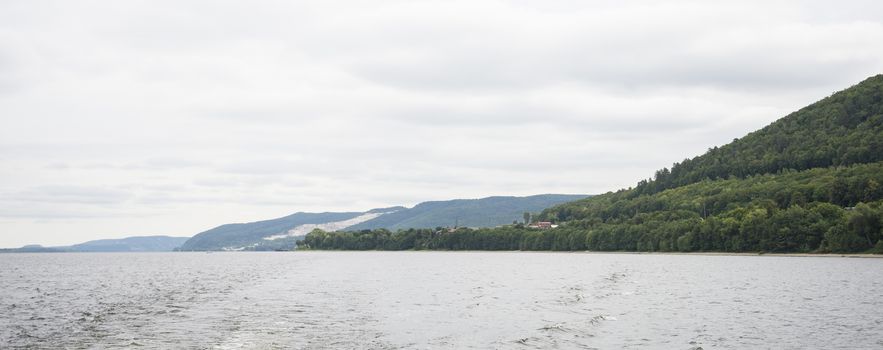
column 815, row 255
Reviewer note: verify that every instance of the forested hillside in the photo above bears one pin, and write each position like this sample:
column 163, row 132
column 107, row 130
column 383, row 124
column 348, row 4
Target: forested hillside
column 810, row 182
column 842, row 129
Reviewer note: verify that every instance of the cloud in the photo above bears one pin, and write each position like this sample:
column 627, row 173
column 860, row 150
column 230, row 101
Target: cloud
column 648, row 45
column 69, row 194
column 172, row 117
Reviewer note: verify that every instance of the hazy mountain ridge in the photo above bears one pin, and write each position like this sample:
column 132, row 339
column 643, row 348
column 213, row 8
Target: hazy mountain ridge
column 128, row 244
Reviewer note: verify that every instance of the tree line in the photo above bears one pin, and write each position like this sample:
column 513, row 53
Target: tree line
column 818, row 228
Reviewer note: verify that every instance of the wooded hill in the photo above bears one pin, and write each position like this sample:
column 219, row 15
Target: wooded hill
column 809, row 182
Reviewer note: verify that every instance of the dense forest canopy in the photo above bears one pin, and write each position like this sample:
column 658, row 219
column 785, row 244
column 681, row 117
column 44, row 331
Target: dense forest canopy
column 809, row 182
column 842, row 129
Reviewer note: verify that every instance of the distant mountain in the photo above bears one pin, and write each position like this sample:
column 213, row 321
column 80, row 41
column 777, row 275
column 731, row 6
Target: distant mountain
column 484, row 212
column 32, row 248
column 278, row 233
column 129, row 244
column 283, row 233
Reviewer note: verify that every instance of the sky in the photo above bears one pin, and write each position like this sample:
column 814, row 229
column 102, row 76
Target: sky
column 124, row 118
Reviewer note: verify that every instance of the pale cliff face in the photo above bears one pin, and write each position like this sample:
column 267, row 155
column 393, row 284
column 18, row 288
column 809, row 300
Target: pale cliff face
column 329, row 226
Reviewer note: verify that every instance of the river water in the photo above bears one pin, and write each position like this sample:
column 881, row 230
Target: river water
column 438, row 300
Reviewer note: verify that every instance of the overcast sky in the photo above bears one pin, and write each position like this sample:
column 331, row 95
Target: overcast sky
column 124, row 118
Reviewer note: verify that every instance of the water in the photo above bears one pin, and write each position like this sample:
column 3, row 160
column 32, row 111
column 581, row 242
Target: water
column 419, row 300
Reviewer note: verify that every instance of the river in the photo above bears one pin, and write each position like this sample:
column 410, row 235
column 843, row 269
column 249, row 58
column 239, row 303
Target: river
column 439, row 300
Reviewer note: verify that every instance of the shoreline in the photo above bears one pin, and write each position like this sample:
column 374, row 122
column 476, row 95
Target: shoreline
column 805, row 255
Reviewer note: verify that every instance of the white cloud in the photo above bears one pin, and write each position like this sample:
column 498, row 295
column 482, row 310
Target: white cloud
column 171, row 117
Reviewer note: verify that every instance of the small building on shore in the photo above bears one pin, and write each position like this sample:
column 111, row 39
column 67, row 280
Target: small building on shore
column 543, row 225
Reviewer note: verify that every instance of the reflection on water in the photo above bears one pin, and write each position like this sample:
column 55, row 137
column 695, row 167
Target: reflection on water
column 387, row 300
